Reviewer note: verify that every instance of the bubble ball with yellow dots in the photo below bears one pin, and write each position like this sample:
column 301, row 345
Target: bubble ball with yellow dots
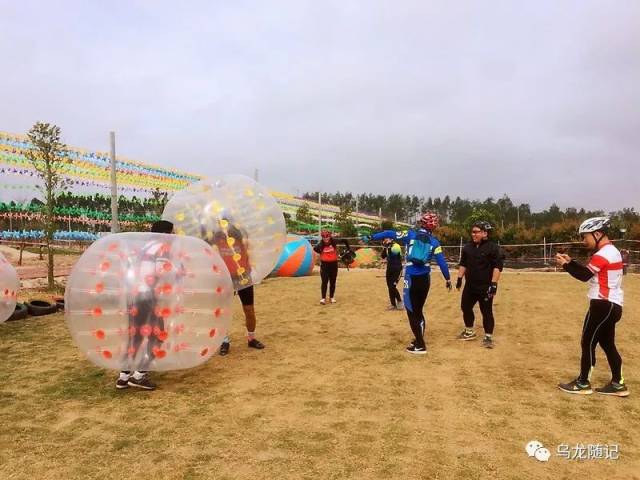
column 238, row 217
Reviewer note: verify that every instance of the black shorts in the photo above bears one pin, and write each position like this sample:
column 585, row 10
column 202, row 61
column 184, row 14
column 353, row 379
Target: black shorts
column 246, row 296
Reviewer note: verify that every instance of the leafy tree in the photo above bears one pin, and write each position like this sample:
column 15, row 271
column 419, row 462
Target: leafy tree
column 343, row 222
column 303, row 214
column 477, row 215
column 387, row 225
column 48, row 155
column 159, row 200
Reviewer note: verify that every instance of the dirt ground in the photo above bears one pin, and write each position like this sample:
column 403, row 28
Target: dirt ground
column 333, row 395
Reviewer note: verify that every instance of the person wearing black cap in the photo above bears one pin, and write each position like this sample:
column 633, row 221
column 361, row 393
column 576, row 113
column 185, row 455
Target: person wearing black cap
column 481, row 263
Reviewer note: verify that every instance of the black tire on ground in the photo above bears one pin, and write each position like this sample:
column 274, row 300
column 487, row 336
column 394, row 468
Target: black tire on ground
column 40, row 307
column 19, row 313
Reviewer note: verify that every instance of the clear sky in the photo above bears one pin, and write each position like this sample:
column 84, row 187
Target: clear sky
column 539, row 99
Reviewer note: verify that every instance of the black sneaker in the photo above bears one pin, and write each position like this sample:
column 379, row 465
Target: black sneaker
column 120, row 383
column 255, row 343
column 416, row 350
column 487, row 342
column 224, row 348
column 576, row 387
column 465, row 335
column 143, row 383
column 615, row 389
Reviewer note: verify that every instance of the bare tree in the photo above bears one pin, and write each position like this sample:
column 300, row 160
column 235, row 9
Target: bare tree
column 48, row 155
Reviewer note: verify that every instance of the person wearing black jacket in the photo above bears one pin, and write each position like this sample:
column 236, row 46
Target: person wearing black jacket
column 481, row 263
column 392, row 252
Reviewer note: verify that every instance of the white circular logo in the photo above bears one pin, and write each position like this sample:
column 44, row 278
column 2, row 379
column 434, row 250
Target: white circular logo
column 543, row 454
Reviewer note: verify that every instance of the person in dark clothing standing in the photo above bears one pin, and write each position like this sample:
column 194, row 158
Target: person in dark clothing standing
column 481, row 263
column 392, row 252
column 328, row 250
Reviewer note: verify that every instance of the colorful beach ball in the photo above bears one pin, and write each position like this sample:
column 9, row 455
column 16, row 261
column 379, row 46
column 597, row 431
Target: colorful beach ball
column 365, row 257
column 296, row 259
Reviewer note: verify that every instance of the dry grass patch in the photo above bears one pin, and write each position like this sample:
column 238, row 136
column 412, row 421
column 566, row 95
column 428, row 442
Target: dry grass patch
column 332, row 396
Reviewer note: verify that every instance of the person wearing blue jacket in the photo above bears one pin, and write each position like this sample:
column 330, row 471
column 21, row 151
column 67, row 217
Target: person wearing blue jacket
column 422, row 246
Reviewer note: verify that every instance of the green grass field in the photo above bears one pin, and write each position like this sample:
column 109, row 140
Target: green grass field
column 333, row 395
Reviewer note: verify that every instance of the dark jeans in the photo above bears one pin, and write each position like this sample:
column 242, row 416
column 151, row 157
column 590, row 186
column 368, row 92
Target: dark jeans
column 328, row 274
column 142, row 315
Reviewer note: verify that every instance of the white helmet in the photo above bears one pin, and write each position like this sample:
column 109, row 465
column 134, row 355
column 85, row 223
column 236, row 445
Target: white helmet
column 532, row 446
column 594, row 224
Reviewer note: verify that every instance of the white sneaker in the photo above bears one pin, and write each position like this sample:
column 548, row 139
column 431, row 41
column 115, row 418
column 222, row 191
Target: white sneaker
column 333, row 300
column 323, row 302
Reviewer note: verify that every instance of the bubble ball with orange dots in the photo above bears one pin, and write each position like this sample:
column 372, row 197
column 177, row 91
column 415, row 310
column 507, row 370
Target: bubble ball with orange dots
column 9, row 285
column 236, row 216
column 149, row 301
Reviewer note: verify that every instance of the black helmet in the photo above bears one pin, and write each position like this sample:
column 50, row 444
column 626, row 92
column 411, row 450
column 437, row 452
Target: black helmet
column 482, row 225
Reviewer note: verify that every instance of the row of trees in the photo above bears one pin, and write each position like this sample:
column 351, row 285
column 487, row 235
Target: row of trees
column 514, row 223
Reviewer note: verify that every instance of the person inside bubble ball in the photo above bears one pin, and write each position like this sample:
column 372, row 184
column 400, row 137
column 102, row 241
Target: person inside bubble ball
column 233, row 248
column 144, row 319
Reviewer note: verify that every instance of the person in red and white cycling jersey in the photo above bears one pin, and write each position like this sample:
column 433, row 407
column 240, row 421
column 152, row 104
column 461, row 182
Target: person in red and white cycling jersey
column 604, row 274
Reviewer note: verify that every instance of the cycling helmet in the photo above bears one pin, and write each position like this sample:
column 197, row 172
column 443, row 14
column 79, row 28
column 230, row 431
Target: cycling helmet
column 594, row 224
column 482, row 225
column 429, row 220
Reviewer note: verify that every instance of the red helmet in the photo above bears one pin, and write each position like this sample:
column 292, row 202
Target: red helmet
column 429, row 220
column 325, row 234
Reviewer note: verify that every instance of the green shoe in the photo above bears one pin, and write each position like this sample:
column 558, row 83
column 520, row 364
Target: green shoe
column 615, row 389
column 576, row 387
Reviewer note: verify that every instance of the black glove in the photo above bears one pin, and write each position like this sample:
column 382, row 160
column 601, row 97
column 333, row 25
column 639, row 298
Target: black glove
column 492, row 290
column 459, row 283
column 449, row 285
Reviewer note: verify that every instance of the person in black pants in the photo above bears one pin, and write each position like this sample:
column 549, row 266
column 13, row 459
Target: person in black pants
column 392, row 252
column 481, row 263
column 422, row 247
column 144, row 321
column 328, row 250
column 604, row 275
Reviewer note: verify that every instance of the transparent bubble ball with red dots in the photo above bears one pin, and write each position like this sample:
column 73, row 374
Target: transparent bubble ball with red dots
column 149, row 301
column 238, row 217
column 9, row 286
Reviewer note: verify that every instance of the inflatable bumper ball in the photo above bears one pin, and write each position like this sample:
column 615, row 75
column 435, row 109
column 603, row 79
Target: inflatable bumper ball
column 236, row 216
column 148, row 301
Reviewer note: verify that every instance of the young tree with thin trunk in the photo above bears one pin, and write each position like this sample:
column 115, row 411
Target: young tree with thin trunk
column 48, row 155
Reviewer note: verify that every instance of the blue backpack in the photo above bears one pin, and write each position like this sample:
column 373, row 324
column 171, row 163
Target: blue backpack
column 420, row 249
